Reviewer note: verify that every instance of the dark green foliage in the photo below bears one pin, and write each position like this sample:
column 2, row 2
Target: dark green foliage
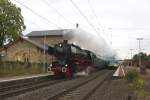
column 145, row 59
column 132, row 75
column 111, row 67
column 137, row 83
column 11, row 22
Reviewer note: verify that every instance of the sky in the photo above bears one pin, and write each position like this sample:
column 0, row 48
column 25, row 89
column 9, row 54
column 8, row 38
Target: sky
column 119, row 22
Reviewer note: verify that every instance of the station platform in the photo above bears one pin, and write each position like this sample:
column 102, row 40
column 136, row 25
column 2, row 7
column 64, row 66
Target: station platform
column 15, row 78
column 119, row 72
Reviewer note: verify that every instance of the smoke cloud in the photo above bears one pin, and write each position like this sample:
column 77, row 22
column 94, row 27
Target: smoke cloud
column 90, row 41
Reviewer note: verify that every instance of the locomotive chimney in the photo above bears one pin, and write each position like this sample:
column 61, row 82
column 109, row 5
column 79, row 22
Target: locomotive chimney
column 77, row 25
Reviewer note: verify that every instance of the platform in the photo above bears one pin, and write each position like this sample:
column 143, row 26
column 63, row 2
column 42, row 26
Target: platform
column 119, row 72
column 15, row 78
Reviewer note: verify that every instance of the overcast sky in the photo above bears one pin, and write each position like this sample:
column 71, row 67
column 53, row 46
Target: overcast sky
column 119, row 21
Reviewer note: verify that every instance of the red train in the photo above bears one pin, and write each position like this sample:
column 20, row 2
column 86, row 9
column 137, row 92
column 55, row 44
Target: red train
column 71, row 59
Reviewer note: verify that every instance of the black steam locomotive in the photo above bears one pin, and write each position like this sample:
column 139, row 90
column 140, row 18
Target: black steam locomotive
column 71, row 59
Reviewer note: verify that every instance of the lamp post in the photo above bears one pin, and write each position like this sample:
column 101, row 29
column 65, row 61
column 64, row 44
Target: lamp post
column 139, row 39
column 131, row 56
column 44, row 60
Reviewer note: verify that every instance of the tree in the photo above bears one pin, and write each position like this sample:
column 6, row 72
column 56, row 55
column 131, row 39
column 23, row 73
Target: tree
column 144, row 58
column 11, row 22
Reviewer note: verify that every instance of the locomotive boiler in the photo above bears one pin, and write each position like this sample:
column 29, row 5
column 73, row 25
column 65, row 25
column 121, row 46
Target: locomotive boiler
column 71, row 59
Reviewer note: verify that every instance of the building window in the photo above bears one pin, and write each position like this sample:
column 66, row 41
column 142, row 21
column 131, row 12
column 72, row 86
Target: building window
column 3, row 53
column 26, row 56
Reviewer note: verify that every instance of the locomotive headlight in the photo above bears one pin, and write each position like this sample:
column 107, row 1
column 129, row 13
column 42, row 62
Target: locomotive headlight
column 66, row 65
column 49, row 69
column 50, row 65
column 64, row 69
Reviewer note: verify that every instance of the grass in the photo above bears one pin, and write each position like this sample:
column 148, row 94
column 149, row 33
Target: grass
column 132, row 75
column 8, row 69
column 137, row 83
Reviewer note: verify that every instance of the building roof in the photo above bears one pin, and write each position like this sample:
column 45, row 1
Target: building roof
column 60, row 32
column 48, row 33
column 40, row 46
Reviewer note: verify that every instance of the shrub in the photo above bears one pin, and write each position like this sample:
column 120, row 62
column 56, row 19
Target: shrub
column 132, row 75
column 141, row 94
column 138, row 84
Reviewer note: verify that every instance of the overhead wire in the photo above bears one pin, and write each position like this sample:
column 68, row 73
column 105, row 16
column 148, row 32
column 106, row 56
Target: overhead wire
column 37, row 14
column 62, row 15
column 82, row 14
column 33, row 23
column 87, row 20
column 100, row 27
column 128, row 38
column 94, row 13
column 57, row 11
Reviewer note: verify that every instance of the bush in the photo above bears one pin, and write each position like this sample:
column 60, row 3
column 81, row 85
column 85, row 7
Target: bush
column 137, row 83
column 132, row 75
column 141, row 94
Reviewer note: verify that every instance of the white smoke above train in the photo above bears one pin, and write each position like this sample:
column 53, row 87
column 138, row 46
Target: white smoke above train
column 92, row 42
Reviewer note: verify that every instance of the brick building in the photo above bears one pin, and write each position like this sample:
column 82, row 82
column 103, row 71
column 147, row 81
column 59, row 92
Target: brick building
column 31, row 48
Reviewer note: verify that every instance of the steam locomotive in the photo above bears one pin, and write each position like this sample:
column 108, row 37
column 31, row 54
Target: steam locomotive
column 71, row 59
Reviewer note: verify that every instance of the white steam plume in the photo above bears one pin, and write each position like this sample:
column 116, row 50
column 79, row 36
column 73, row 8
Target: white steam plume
column 91, row 42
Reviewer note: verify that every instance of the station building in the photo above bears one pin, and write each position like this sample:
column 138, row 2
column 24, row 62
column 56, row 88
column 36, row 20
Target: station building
column 30, row 48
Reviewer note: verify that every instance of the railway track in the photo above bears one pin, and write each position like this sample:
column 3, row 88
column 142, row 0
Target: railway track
column 60, row 89
column 102, row 92
column 82, row 91
column 19, row 85
column 18, row 81
column 15, row 90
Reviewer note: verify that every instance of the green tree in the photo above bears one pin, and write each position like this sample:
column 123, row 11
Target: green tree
column 145, row 58
column 11, row 22
column 136, row 58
